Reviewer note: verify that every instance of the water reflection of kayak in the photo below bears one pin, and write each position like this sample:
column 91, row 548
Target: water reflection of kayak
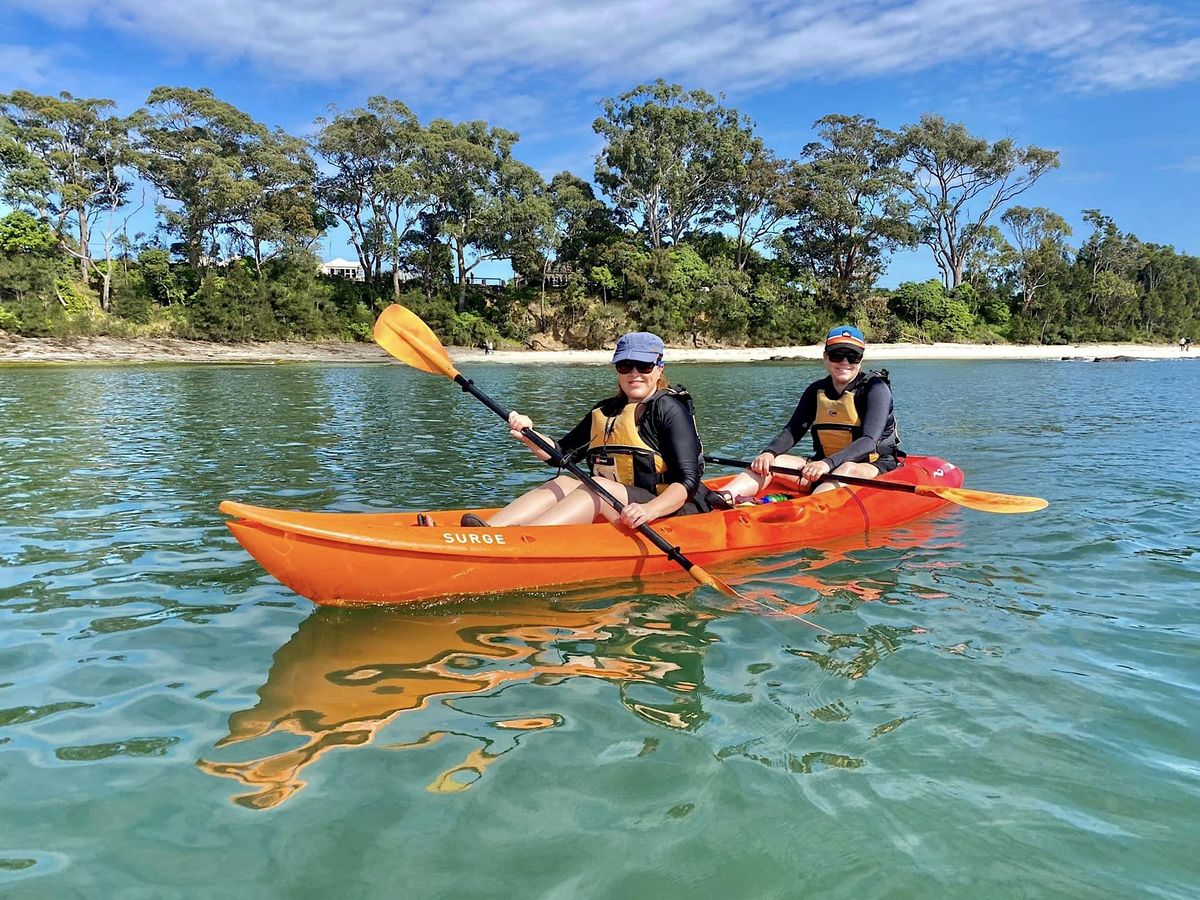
column 341, row 558
column 342, row 678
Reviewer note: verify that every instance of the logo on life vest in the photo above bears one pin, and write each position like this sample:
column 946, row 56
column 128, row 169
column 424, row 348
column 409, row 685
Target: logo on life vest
column 938, row 473
column 458, row 537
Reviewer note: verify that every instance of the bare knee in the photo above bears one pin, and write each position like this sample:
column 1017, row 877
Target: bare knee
column 856, row 470
column 560, row 487
column 850, row 470
column 787, row 461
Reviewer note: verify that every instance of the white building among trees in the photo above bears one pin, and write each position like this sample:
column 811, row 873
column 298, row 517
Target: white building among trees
column 343, row 268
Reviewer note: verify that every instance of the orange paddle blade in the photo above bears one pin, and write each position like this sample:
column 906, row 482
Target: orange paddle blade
column 986, row 501
column 403, row 334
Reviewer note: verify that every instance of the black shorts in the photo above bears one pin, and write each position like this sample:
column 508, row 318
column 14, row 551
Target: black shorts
column 886, row 464
column 641, row 495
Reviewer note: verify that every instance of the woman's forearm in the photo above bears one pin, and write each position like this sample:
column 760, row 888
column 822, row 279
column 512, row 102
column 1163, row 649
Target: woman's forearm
column 669, row 501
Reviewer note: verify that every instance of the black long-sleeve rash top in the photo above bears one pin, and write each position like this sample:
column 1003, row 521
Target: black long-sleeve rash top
column 668, row 426
column 873, row 407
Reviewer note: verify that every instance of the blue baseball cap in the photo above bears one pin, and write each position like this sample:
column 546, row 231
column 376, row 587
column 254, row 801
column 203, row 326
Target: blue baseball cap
column 639, row 346
column 845, row 336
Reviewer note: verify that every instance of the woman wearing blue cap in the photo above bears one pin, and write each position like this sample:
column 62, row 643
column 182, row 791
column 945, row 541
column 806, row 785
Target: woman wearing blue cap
column 850, row 415
column 640, row 444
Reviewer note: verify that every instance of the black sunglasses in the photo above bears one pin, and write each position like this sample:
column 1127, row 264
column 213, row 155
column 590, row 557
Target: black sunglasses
column 839, row 355
column 625, row 366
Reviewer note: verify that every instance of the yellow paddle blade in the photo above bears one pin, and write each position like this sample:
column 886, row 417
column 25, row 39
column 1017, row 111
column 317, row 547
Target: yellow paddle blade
column 402, row 333
column 985, row 500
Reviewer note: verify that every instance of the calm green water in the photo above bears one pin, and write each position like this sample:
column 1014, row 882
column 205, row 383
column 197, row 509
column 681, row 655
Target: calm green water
column 1008, row 705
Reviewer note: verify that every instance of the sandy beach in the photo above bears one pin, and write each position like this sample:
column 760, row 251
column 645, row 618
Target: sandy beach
column 23, row 350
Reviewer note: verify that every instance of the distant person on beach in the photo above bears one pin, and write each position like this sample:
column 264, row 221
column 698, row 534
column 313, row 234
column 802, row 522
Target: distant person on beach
column 1183, row 345
column 487, row 348
column 850, row 415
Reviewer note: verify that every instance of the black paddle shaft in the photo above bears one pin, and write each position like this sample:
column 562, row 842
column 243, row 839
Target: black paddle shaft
column 848, row 479
column 546, row 447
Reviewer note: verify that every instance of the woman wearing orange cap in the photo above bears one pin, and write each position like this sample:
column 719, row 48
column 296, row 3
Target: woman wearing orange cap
column 640, row 444
column 850, row 415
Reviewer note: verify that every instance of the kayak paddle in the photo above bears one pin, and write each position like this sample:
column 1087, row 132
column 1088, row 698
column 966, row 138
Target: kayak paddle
column 404, row 335
column 987, row 501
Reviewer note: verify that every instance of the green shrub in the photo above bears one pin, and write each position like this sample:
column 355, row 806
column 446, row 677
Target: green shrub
column 131, row 299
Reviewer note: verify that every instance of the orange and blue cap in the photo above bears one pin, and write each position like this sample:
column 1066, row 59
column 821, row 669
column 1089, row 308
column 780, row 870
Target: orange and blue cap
column 846, row 336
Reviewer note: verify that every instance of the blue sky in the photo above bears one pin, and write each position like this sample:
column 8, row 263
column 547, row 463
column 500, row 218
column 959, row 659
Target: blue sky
column 1113, row 85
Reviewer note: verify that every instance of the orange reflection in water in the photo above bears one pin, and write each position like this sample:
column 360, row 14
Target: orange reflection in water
column 923, row 533
column 347, row 674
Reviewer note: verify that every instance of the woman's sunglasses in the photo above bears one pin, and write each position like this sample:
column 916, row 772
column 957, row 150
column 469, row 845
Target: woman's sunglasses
column 838, row 355
column 625, row 366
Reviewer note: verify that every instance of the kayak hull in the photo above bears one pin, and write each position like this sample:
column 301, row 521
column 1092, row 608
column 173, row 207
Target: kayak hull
column 341, row 559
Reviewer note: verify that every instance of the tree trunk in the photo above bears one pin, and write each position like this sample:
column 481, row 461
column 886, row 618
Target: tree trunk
column 957, row 271
column 84, row 240
column 461, row 257
column 427, row 275
column 545, row 269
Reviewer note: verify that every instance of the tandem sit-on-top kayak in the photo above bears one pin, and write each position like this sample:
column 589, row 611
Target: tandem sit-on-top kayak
column 340, row 559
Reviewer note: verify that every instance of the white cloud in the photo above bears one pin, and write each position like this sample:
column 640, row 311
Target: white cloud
column 1140, row 66
column 548, row 48
column 26, row 66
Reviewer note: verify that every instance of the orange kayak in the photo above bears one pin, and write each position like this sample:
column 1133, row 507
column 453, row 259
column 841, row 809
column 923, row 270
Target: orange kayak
column 339, row 559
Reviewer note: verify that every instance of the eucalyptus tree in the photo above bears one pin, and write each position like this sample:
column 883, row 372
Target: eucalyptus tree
column 1171, row 286
column 65, row 158
column 374, row 158
column 852, row 210
column 489, row 205
column 1041, row 251
column 669, row 157
column 582, row 225
column 1111, row 260
column 959, row 181
column 228, row 173
column 281, row 217
column 762, row 193
column 582, row 221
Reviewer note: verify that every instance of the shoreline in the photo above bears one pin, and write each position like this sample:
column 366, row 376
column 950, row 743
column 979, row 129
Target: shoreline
column 15, row 350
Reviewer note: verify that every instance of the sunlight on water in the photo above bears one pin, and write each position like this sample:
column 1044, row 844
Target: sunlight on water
column 1004, row 705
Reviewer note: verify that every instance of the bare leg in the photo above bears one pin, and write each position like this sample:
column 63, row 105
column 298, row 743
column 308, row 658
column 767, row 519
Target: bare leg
column 854, row 470
column 749, row 484
column 581, row 507
column 534, row 504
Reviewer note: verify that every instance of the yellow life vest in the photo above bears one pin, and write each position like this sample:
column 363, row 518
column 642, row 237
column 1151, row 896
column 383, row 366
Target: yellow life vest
column 618, row 451
column 838, row 424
